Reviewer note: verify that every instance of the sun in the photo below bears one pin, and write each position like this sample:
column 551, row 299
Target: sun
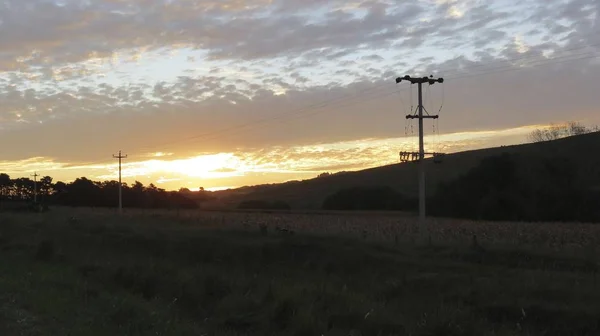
column 203, row 166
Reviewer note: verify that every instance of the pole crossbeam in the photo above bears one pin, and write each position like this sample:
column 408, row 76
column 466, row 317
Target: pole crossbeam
column 120, row 157
column 420, row 81
column 412, row 116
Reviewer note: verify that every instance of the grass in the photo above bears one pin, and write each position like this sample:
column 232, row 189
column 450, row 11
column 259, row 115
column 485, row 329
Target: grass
column 158, row 275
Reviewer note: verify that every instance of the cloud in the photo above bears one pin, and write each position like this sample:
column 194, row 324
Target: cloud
column 72, row 31
column 42, row 32
column 29, row 165
column 80, row 80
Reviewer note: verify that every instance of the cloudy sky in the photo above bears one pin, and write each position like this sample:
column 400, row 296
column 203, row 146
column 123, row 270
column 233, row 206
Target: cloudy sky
column 223, row 93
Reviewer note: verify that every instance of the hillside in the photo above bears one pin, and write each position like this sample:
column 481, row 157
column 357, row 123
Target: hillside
column 309, row 194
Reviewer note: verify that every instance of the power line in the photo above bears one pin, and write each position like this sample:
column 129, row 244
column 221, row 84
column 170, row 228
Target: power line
column 420, row 116
column 299, row 112
column 535, row 65
column 328, row 102
column 520, row 58
column 35, row 175
column 120, row 157
column 379, row 95
column 267, row 119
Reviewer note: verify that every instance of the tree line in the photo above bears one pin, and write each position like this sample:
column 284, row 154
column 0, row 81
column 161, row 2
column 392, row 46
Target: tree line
column 500, row 188
column 85, row 192
column 554, row 132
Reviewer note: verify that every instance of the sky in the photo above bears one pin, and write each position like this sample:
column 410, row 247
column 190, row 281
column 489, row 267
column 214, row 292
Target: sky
column 220, row 94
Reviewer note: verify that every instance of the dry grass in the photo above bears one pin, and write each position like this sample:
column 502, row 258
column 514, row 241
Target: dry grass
column 92, row 272
column 385, row 226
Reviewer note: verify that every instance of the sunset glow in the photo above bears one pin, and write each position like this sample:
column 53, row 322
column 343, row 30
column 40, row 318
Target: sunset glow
column 228, row 93
column 276, row 164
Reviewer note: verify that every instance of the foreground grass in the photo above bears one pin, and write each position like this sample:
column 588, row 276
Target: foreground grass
column 104, row 276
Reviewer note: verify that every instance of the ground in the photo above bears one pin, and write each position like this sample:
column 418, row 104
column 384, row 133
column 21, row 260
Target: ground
column 86, row 272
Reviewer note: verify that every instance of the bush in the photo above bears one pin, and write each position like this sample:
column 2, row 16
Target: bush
column 500, row 189
column 368, row 198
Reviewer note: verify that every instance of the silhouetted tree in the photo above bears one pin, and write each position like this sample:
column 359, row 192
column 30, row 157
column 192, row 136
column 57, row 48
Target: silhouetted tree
column 5, row 183
column 22, row 188
column 59, row 189
column 555, row 132
column 500, row 189
column 85, row 192
column 45, row 188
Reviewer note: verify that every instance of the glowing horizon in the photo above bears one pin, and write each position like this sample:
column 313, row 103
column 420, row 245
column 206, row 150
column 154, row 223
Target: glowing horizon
column 276, row 165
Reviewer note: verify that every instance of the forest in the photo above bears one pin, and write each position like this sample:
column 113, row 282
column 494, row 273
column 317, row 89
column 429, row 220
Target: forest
column 19, row 192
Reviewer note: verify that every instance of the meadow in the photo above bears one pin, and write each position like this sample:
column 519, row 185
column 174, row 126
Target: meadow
column 93, row 272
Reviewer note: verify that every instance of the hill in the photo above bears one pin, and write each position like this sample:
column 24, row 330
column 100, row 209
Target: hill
column 580, row 151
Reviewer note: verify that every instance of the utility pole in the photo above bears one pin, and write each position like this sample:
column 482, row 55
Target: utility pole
column 35, row 175
column 120, row 156
column 420, row 81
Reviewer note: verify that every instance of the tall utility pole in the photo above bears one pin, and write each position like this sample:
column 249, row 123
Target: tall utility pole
column 35, row 175
column 120, row 156
column 420, row 81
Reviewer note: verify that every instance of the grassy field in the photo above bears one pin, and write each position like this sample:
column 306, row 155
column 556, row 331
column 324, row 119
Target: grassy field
column 91, row 272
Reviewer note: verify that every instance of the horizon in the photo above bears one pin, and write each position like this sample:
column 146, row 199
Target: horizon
column 228, row 95
column 517, row 134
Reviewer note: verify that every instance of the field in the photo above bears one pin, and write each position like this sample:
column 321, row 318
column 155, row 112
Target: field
column 92, row 272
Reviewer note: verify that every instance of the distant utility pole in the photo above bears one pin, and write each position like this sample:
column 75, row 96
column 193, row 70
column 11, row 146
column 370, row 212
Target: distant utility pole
column 35, row 175
column 120, row 156
column 420, row 81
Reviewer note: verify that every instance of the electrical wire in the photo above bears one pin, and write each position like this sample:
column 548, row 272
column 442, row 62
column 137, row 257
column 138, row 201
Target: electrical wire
column 328, row 103
column 583, row 45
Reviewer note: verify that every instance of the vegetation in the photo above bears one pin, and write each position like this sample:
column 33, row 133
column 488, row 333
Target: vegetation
column 546, row 181
column 97, row 274
column 491, row 190
column 85, row 192
column 326, row 174
column 368, row 198
column 555, row 132
column 498, row 189
column 88, row 272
